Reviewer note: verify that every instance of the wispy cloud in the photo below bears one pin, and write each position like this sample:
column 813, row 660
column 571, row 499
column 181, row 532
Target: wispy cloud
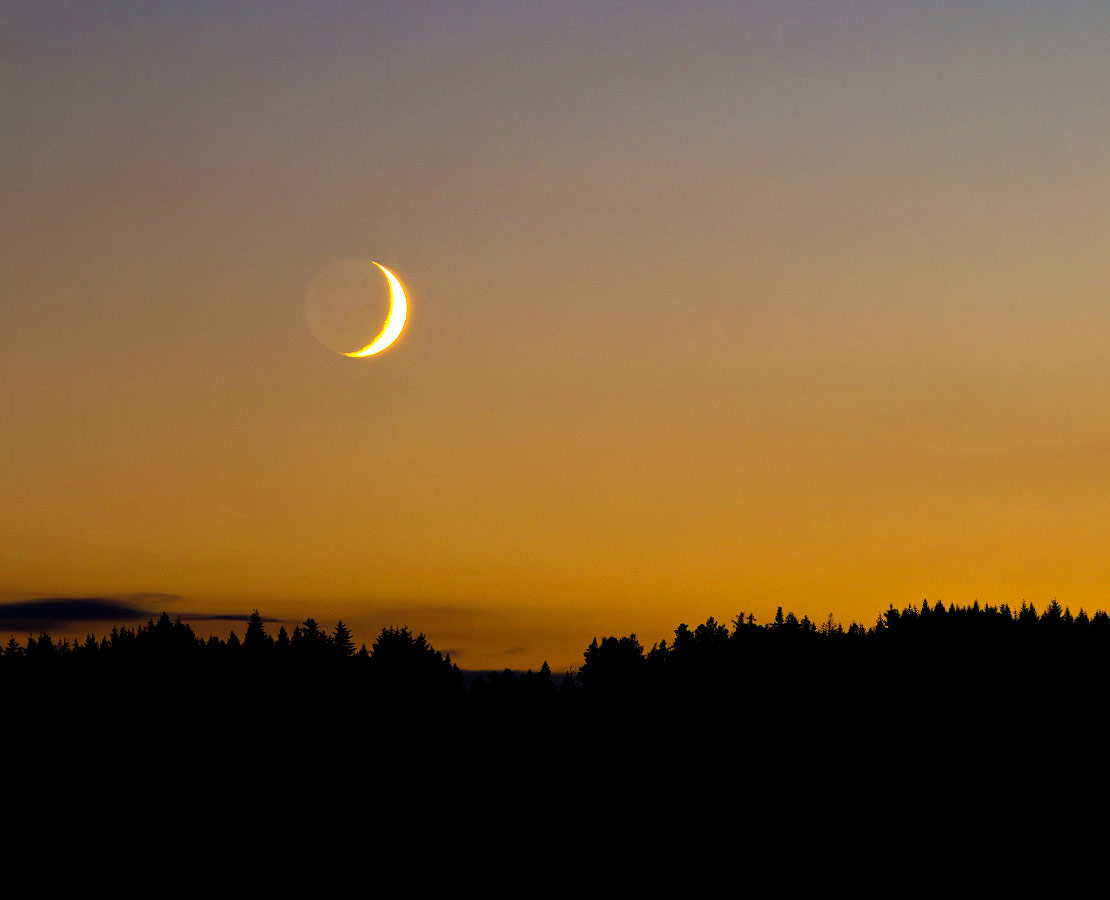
column 45, row 613
column 222, row 617
column 49, row 612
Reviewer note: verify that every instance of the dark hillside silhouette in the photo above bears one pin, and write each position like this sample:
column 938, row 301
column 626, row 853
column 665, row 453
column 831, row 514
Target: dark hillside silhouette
column 921, row 683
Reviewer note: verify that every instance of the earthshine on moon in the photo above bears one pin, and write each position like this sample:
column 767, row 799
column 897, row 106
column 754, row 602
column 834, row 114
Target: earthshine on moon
column 347, row 303
column 398, row 313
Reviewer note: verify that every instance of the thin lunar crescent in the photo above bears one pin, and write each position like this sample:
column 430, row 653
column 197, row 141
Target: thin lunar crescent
column 398, row 313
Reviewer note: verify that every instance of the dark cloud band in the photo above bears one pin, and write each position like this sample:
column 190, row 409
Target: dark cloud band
column 70, row 609
column 51, row 612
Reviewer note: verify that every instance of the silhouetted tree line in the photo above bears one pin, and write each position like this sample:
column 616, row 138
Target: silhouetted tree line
column 162, row 688
column 968, row 704
column 927, row 701
column 922, row 691
column 930, row 657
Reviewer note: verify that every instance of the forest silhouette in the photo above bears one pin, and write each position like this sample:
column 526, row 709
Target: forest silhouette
column 931, row 714
column 917, row 674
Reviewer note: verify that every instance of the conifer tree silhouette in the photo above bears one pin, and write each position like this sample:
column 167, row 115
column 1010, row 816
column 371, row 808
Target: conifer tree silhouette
column 255, row 640
column 342, row 641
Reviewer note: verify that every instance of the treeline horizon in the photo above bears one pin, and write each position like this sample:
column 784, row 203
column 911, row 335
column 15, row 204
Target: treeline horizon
column 168, row 641
column 922, row 683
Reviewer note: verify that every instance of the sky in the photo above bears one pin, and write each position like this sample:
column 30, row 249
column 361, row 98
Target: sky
column 713, row 307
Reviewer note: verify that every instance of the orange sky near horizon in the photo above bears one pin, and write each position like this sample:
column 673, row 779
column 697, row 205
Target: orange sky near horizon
column 714, row 310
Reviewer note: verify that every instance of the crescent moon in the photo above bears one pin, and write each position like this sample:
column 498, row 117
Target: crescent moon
column 398, row 313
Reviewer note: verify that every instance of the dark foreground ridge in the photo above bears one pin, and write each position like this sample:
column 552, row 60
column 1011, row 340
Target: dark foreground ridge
column 930, row 650
column 921, row 684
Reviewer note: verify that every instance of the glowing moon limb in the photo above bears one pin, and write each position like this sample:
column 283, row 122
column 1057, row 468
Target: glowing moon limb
column 398, row 313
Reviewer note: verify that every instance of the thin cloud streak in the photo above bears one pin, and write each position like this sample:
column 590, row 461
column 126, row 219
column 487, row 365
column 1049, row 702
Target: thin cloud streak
column 70, row 609
column 54, row 612
column 222, row 617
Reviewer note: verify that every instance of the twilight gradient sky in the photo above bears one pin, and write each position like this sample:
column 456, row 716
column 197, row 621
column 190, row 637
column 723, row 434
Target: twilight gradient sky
column 714, row 307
